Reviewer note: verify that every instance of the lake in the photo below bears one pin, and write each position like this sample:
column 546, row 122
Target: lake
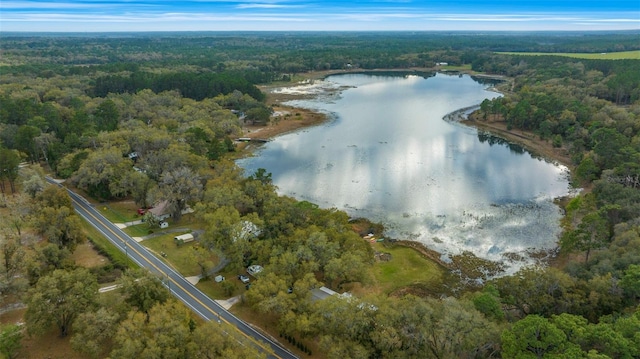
column 388, row 155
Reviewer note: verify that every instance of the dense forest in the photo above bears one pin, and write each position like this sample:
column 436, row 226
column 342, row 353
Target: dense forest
column 152, row 117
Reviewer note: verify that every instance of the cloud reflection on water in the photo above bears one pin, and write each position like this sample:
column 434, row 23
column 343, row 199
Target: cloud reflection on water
column 390, row 157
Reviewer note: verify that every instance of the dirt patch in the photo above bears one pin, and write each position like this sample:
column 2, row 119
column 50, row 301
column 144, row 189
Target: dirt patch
column 289, row 120
column 382, row 256
column 85, row 255
column 48, row 346
column 12, row 313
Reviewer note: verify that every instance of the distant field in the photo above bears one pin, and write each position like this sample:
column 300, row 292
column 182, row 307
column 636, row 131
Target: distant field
column 635, row 55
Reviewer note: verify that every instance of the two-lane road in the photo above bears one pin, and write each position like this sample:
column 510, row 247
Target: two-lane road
column 177, row 284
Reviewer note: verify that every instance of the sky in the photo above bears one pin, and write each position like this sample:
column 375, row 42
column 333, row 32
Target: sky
column 317, row 15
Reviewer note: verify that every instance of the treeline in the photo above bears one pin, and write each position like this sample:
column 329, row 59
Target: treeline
column 278, row 52
column 197, row 86
column 575, row 104
column 621, row 77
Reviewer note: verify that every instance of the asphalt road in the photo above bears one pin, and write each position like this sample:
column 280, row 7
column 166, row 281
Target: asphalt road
column 179, row 287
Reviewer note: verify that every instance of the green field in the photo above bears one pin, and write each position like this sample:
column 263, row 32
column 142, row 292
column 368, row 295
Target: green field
column 407, row 267
column 623, row 55
column 119, row 212
column 182, row 257
column 100, row 241
column 466, row 67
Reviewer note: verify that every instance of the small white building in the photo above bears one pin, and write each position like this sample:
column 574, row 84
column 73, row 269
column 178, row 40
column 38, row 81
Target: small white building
column 183, row 238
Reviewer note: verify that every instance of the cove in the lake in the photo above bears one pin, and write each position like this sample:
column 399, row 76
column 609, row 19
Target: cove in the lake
column 389, row 156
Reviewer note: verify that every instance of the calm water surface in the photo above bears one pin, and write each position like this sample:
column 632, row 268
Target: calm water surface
column 389, row 156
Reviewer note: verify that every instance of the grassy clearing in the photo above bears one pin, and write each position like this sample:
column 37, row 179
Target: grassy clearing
column 406, row 268
column 182, row 258
column 119, row 212
column 622, row 55
column 466, row 67
column 138, row 230
column 103, row 246
column 85, row 255
column 218, row 291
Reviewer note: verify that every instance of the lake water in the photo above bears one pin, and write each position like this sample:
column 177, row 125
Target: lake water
column 388, row 155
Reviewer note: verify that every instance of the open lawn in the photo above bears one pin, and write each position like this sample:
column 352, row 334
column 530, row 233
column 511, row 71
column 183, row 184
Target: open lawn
column 99, row 241
column 466, row 67
column 85, row 255
column 139, row 230
column 406, row 267
column 49, row 345
column 119, row 212
column 182, row 258
column 219, row 290
column 622, row 55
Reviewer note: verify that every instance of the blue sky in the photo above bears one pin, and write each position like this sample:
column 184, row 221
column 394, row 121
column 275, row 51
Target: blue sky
column 317, row 15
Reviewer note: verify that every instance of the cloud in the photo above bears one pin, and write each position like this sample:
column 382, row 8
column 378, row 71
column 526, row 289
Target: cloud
column 20, row 15
column 268, row 6
column 48, row 5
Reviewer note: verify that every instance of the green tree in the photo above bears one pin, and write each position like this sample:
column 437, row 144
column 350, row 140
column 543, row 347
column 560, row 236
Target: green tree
column 488, row 302
column 33, row 182
column 139, row 185
column 630, row 282
column 143, row 290
column 165, row 333
column 587, row 171
column 12, row 265
column 93, row 332
column 25, row 141
column 269, row 294
column 221, row 223
column 54, row 197
column 616, row 336
column 101, row 173
column 179, row 187
column 608, row 147
column 52, row 257
column 211, row 340
column 106, row 116
column 58, row 298
column 259, row 115
column 203, row 258
column 349, row 267
column 534, row 337
column 455, row 329
column 592, row 233
column 540, row 291
column 10, row 340
column 60, row 226
column 9, row 161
